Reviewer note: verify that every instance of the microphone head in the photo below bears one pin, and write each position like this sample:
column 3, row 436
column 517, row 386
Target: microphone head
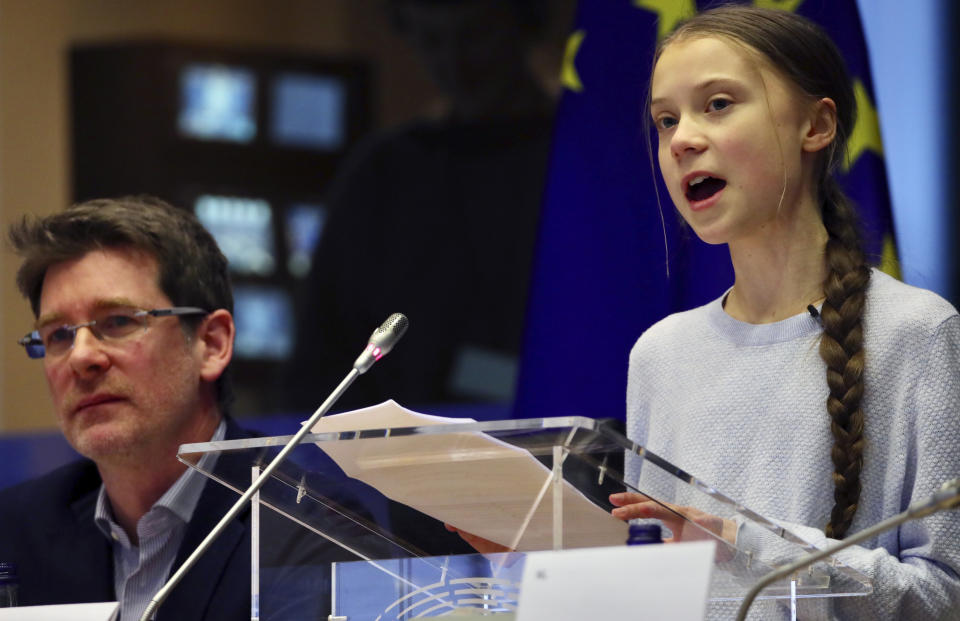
column 390, row 331
column 382, row 341
column 950, row 494
column 947, row 497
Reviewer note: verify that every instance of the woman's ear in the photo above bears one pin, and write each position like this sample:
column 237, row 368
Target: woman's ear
column 214, row 344
column 822, row 128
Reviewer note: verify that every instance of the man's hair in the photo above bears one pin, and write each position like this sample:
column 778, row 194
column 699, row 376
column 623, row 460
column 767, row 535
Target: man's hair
column 192, row 271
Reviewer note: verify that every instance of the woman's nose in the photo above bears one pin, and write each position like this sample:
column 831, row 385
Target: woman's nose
column 687, row 138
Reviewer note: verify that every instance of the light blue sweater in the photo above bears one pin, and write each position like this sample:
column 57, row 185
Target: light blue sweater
column 743, row 407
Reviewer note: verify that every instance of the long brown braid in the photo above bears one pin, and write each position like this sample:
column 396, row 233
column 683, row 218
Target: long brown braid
column 801, row 52
column 841, row 347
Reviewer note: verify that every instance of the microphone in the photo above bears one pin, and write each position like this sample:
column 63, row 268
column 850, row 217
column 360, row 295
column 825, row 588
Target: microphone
column 381, row 342
column 947, row 497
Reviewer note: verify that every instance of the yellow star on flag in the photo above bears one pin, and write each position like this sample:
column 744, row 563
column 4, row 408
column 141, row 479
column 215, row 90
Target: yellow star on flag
column 783, row 5
column 568, row 71
column 669, row 12
column 866, row 132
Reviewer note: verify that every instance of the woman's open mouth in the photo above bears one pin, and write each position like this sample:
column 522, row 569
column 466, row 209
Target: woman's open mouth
column 703, row 187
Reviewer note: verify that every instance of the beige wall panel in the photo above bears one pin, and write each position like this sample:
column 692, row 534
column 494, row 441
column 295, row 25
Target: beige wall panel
column 34, row 137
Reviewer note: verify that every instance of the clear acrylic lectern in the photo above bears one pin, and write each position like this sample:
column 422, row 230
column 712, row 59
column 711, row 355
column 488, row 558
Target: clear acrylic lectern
column 344, row 527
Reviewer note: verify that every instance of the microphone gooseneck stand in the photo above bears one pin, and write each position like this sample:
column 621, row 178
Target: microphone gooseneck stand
column 948, row 497
column 381, row 341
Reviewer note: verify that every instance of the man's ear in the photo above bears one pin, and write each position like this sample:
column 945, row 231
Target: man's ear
column 822, row 128
column 214, row 343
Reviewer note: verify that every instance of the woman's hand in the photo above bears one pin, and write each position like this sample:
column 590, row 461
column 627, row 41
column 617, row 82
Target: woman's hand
column 631, row 505
column 481, row 545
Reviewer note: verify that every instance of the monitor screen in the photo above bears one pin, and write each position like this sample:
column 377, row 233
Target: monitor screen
column 265, row 322
column 308, row 111
column 243, row 228
column 217, row 103
column 304, row 226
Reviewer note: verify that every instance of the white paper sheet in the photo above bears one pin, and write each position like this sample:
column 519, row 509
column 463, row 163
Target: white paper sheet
column 666, row 581
column 100, row 611
column 469, row 480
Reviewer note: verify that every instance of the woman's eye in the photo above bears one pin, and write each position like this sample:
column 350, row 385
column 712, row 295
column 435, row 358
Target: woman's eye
column 718, row 104
column 665, row 122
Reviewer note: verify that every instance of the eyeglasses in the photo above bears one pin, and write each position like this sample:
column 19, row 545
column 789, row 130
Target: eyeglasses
column 112, row 324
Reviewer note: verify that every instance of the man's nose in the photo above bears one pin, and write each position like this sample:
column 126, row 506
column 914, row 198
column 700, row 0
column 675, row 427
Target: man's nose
column 87, row 355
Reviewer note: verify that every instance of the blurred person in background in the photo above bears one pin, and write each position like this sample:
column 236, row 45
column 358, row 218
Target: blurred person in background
column 437, row 219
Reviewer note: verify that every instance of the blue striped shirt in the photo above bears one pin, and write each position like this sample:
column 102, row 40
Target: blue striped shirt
column 139, row 571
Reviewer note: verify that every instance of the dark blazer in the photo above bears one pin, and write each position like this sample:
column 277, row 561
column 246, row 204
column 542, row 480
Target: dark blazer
column 47, row 529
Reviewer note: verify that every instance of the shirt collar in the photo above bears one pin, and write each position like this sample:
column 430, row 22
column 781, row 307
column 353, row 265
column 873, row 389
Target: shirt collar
column 180, row 499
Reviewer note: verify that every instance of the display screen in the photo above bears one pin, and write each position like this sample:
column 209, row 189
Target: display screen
column 304, row 226
column 218, row 103
column 265, row 322
column 243, row 228
column 308, row 111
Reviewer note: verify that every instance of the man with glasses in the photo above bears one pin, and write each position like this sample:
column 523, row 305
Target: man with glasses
column 135, row 334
